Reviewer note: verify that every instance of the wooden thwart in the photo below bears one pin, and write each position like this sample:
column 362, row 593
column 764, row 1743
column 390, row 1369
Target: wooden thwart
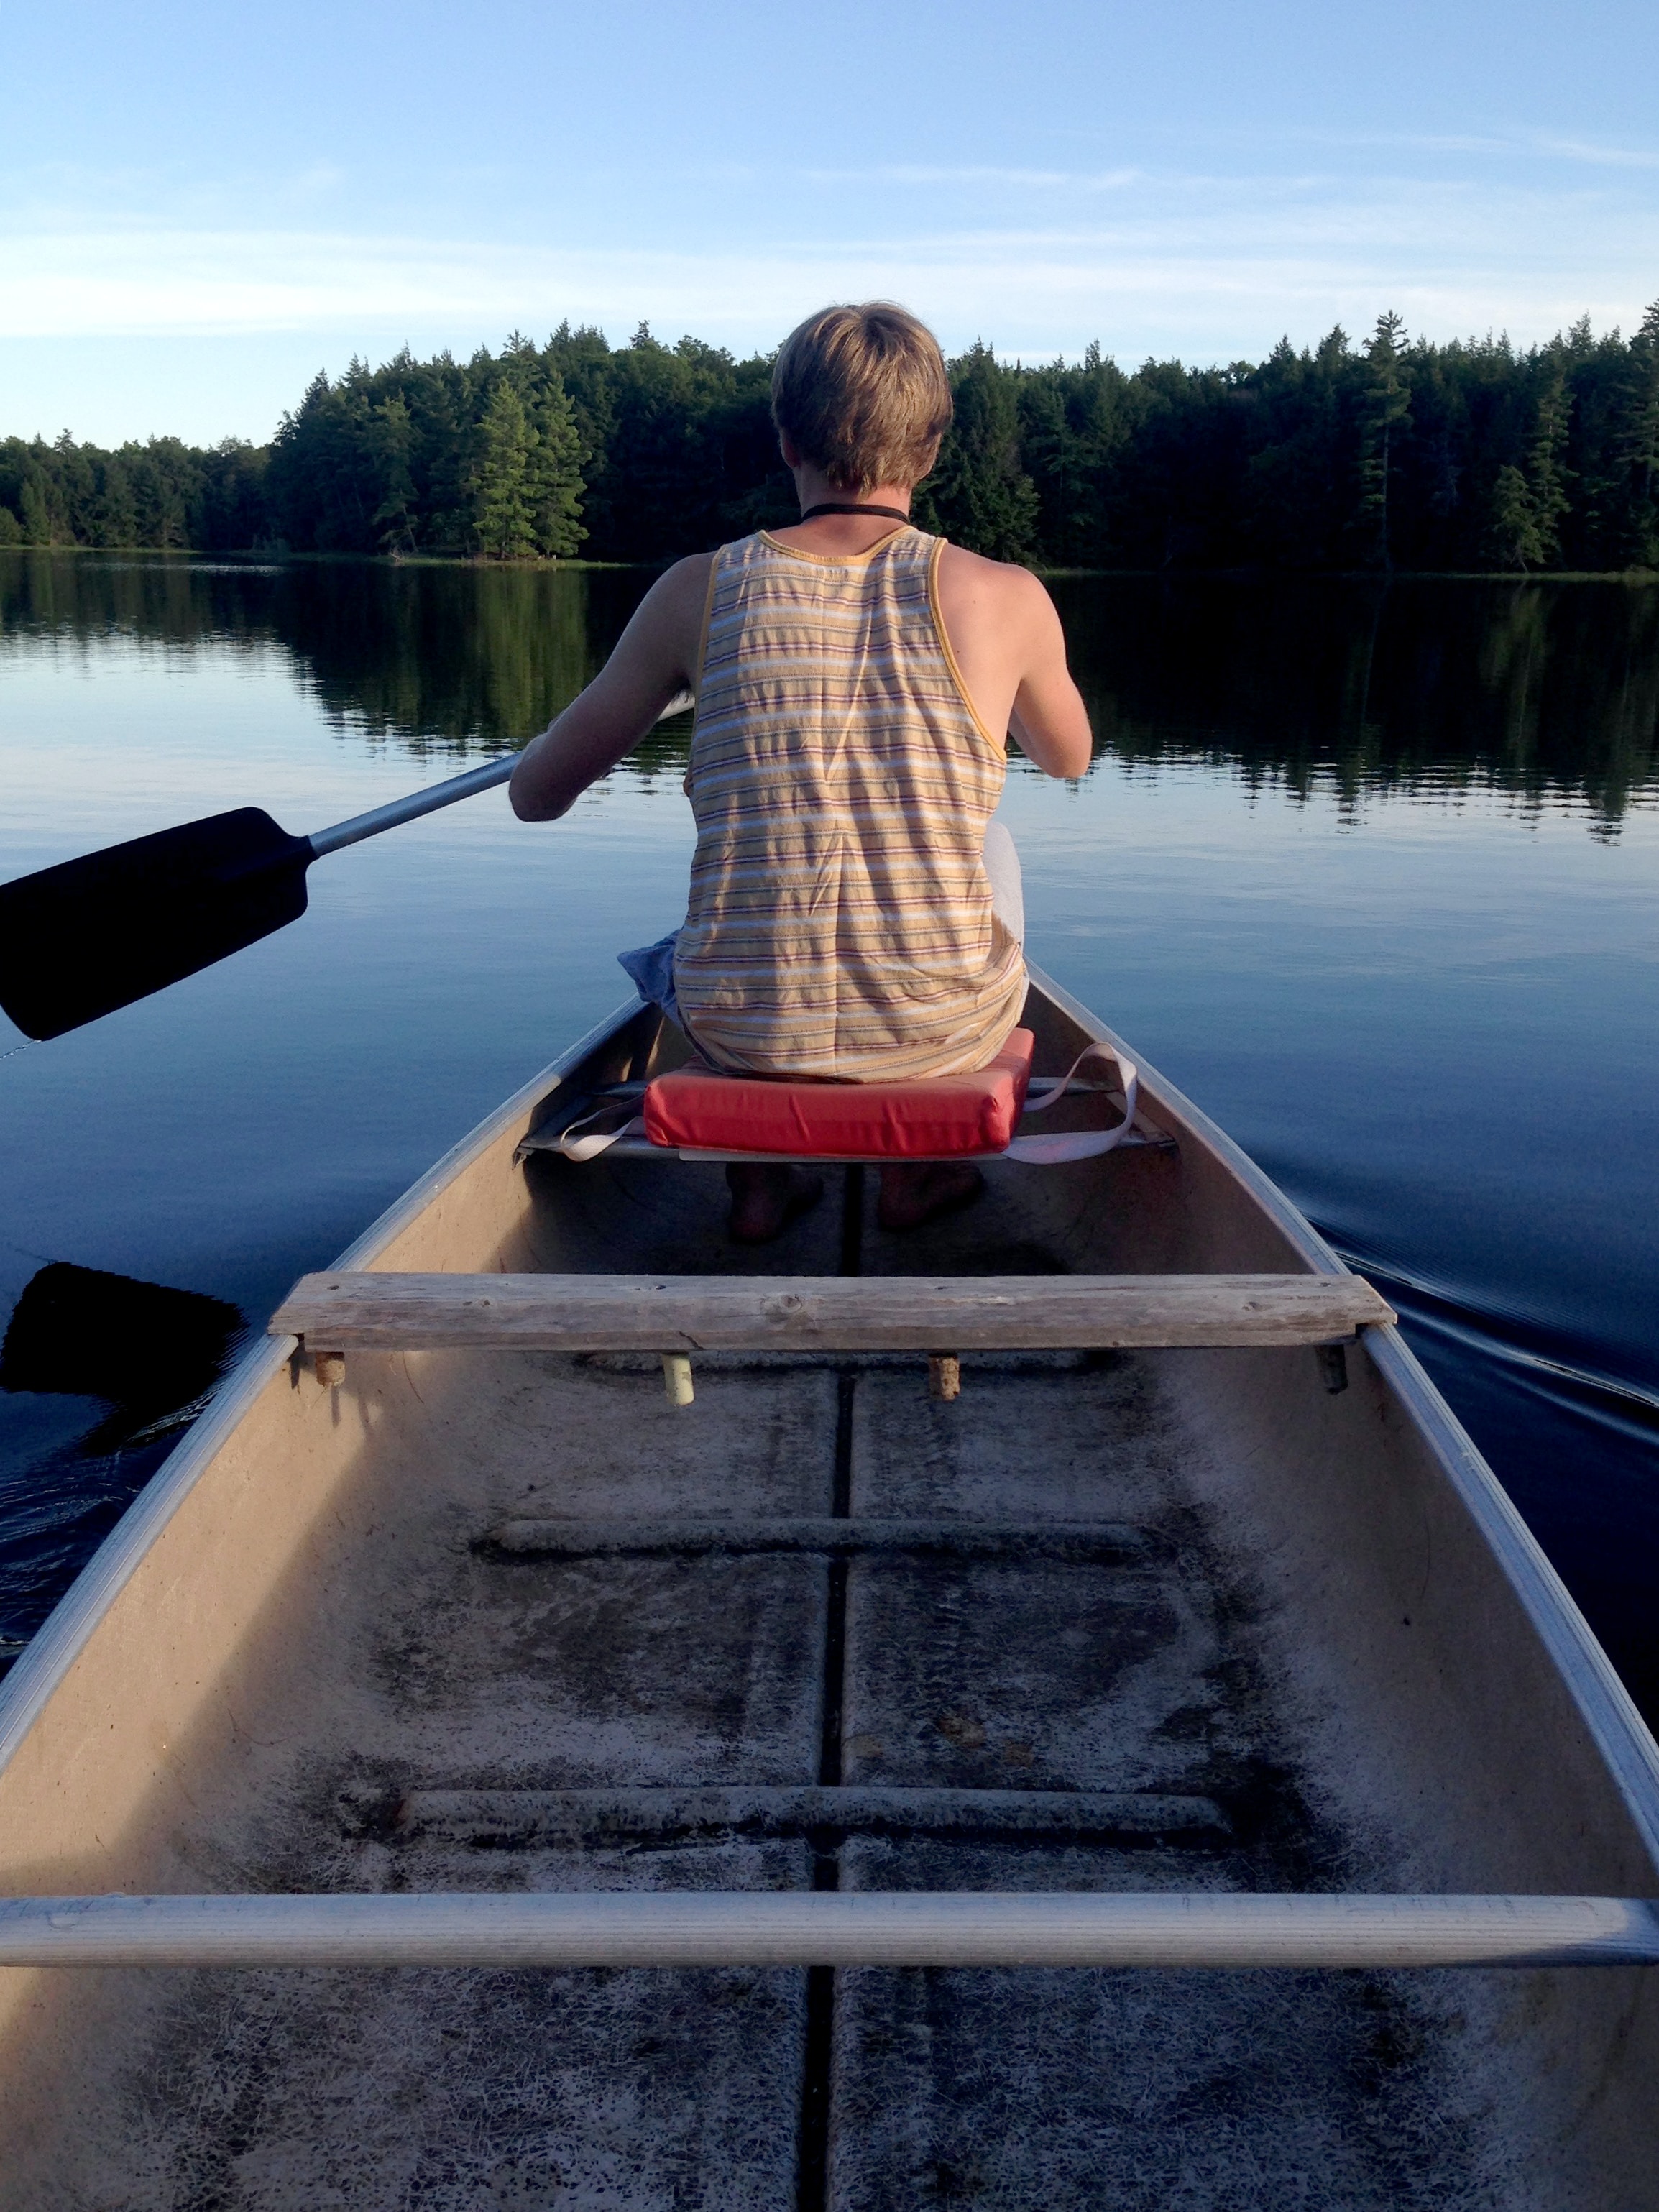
column 832, row 1929
column 341, row 1311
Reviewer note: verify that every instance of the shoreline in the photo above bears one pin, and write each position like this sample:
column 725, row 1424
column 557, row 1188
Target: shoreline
column 255, row 557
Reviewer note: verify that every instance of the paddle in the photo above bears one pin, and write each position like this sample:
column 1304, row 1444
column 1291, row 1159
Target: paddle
column 88, row 936
column 88, row 1334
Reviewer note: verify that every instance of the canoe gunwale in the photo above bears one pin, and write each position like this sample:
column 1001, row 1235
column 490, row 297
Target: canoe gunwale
column 1609, row 1713
column 53, row 1650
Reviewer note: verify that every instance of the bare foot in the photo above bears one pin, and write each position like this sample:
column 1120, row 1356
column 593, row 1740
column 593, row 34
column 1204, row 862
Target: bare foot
column 766, row 1198
column 911, row 1195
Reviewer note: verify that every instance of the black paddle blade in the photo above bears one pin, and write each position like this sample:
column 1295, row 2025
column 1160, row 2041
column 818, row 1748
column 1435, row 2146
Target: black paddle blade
column 97, row 1335
column 87, row 936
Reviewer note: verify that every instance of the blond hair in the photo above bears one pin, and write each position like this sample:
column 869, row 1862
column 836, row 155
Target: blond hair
column 863, row 392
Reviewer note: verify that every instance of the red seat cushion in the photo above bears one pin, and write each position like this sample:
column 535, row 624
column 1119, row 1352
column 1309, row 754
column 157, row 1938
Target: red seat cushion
column 932, row 1117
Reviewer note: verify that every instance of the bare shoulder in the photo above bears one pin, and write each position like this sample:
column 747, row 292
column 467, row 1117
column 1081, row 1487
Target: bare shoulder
column 998, row 590
column 665, row 632
column 1004, row 631
column 685, row 584
column 979, row 568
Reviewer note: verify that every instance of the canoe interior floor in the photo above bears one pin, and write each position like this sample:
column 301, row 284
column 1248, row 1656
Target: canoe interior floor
column 655, row 1710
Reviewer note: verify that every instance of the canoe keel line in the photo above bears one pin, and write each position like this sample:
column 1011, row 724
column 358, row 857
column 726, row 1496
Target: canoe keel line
column 970, row 1927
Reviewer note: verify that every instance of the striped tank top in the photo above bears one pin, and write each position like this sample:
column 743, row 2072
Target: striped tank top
column 840, row 923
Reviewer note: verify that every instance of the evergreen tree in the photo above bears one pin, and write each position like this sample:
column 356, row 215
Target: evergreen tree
column 164, row 480
column 72, row 491
column 115, row 519
column 1636, row 453
column 440, row 398
column 502, row 509
column 980, row 495
column 1073, row 426
column 553, row 480
column 34, row 512
column 1546, row 470
column 1517, row 538
column 232, row 509
column 1292, row 506
column 1384, row 410
column 581, row 361
column 391, row 442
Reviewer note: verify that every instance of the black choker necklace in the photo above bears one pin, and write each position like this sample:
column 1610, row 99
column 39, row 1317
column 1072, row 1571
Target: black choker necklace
column 845, row 506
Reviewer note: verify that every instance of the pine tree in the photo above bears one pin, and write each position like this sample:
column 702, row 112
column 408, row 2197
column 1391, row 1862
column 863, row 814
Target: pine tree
column 115, row 519
column 1636, row 452
column 1547, row 468
column 74, row 491
column 501, row 505
column 32, row 510
column 1385, row 408
column 553, row 478
column 163, row 480
column 1517, row 538
column 1528, row 505
column 980, row 495
column 392, row 445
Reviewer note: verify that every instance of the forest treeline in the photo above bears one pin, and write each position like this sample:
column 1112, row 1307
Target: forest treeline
column 1392, row 453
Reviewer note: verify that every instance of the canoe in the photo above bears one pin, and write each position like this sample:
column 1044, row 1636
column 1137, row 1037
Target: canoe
column 1165, row 1772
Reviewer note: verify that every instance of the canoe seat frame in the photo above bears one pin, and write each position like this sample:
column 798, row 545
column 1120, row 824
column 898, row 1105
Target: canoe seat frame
column 548, row 1136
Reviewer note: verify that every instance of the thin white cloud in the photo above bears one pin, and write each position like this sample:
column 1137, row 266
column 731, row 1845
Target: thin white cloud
column 1606, row 157
column 1514, row 145
column 1215, row 266
column 922, row 175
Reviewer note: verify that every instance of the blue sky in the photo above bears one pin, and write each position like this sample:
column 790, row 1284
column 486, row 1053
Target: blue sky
column 200, row 205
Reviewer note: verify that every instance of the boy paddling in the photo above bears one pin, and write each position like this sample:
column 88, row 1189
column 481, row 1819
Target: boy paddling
column 854, row 677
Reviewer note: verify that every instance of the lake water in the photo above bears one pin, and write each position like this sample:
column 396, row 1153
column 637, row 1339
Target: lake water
column 1373, row 875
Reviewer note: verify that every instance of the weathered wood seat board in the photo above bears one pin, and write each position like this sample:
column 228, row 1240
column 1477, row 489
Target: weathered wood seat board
column 690, row 1313
column 546, row 1794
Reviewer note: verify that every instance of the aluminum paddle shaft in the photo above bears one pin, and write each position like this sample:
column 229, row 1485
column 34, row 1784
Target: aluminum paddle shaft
column 398, row 811
column 395, row 812
column 90, row 935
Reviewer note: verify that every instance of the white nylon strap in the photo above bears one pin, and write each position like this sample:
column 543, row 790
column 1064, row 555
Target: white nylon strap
column 576, row 1147
column 1080, row 1144
column 1035, row 1152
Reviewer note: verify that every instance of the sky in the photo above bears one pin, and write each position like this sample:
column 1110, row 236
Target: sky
column 203, row 204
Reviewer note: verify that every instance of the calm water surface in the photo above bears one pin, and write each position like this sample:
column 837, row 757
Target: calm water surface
column 1373, row 875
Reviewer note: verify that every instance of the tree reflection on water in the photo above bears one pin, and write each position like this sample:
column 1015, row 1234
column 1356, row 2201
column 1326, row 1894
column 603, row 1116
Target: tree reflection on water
column 1318, row 685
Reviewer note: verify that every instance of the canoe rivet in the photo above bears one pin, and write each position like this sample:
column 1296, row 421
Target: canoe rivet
column 677, row 1378
column 944, row 1374
column 329, row 1367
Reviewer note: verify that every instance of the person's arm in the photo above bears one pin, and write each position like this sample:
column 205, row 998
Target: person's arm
column 654, row 658
column 1010, row 649
column 1048, row 717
